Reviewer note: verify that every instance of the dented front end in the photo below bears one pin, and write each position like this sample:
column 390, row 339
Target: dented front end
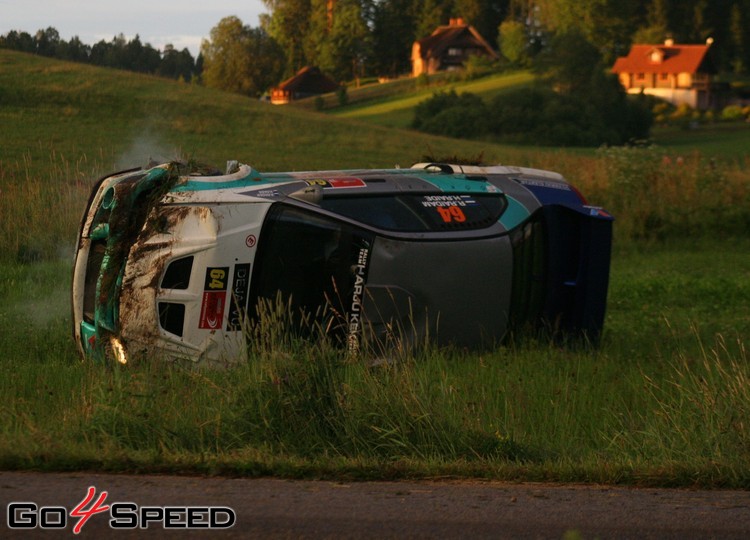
column 151, row 274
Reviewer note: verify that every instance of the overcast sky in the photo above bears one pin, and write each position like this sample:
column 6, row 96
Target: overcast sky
column 183, row 23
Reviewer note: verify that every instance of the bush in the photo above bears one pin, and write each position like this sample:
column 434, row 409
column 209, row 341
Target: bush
column 732, row 113
column 541, row 116
column 342, row 95
column 478, row 66
column 447, row 113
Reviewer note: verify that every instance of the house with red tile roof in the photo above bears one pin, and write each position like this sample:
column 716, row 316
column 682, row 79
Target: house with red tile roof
column 448, row 47
column 676, row 73
column 308, row 81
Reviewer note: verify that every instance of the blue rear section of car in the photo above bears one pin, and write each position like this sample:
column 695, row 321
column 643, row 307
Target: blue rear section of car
column 577, row 247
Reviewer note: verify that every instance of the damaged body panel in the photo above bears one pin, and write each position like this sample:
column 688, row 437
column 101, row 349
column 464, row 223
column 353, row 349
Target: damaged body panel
column 174, row 261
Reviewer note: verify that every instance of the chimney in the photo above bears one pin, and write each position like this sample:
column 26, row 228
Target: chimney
column 457, row 21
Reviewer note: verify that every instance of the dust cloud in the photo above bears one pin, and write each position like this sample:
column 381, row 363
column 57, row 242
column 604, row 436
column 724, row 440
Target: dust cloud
column 145, row 149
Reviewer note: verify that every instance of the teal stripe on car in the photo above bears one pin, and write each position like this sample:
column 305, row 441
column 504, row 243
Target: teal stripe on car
column 452, row 184
column 514, row 215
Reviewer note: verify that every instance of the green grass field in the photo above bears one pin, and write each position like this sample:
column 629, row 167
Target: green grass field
column 398, row 111
column 664, row 401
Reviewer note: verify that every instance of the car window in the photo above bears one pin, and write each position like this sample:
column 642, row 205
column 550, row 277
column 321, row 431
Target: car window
column 309, row 259
column 421, row 213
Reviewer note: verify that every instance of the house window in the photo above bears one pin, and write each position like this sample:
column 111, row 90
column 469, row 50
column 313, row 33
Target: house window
column 453, row 51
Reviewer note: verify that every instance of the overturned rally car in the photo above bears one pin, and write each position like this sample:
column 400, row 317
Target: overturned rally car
column 174, row 260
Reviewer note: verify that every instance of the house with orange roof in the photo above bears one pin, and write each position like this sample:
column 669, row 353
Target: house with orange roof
column 676, row 73
column 448, row 47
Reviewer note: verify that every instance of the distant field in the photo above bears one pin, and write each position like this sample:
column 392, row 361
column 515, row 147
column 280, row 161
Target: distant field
column 399, row 111
column 664, row 401
column 720, row 140
column 729, row 141
column 106, row 117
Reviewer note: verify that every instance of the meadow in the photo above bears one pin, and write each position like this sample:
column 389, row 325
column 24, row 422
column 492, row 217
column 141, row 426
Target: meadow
column 664, row 400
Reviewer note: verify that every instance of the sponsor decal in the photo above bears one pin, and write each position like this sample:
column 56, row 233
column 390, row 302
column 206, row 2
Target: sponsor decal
column 354, row 323
column 214, row 297
column 446, row 201
column 544, row 183
column 597, row 211
column 250, row 241
column 263, row 193
column 238, row 299
column 267, row 193
column 337, row 183
column 122, row 515
column 449, row 207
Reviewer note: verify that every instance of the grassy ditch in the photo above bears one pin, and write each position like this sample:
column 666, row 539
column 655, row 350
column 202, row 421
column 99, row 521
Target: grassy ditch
column 664, row 401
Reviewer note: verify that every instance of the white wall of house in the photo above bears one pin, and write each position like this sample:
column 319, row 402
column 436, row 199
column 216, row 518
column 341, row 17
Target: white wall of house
column 675, row 96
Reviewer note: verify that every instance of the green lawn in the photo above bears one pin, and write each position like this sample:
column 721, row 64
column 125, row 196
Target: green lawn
column 398, row 111
column 665, row 400
column 723, row 140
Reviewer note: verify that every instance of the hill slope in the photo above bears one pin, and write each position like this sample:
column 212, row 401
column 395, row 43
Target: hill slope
column 398, row 110
column 120, row 118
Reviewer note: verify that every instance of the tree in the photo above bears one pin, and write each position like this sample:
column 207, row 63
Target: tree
column 607, row 24
column 484, row 15
column 289, row 24
column 738, row 38
column 341, row 39
column 19, row 41
column 657, row 28
column 240, row 59
column 74, row 50
column 393, row 24
column 569, row 63
column 431, row 14
column 176, row 64
column 513, row 42
column 47, row 41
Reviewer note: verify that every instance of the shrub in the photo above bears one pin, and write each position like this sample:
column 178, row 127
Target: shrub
column 542, row 116
column 342, row 96
column 732, row 113
column 477, row 66
column 447, row 113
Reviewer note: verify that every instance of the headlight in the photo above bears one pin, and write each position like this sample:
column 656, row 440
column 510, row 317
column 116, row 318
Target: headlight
column 118, row 350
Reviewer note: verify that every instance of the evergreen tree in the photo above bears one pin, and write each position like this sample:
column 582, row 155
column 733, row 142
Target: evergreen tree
column 738, row 37
column 393, row 34
column 657, row 27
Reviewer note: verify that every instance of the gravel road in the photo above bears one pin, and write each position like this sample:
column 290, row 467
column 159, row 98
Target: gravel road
column 274, row 508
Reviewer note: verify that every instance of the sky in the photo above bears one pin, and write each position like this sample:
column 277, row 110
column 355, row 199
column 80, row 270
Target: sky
column 183, row 23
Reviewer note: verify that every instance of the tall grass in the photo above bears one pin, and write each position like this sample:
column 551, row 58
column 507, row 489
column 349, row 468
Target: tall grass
column 41, row 213
column 304, row 408
column 654, row 195
column 654, row 405
column 696, row 416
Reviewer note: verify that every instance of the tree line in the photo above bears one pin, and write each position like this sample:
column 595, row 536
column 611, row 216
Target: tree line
column 376, row 36
column 120, row 53
column 349, row 39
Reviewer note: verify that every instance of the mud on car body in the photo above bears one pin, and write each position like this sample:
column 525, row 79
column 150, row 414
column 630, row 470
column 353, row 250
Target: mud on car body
column 173, row 260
